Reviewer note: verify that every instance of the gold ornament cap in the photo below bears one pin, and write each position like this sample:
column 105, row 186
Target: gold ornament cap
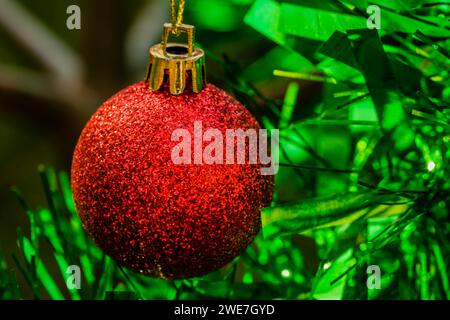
column 178, row 60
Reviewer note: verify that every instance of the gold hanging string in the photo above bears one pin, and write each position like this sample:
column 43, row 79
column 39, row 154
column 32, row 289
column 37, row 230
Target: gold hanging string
column 176, row 15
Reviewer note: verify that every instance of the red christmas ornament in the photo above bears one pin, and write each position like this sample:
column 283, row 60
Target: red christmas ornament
column 154, row 216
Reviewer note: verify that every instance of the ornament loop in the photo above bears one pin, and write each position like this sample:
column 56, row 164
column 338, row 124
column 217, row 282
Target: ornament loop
column 181, row 61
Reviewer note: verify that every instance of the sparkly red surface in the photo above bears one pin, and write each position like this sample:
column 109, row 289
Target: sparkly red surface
column 150, row 215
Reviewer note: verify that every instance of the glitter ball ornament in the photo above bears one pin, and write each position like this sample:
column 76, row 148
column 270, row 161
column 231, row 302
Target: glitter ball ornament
column 154, row 216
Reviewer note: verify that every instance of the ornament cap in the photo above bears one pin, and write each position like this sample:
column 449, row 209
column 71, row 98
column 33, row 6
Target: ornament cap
column 181, row 61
